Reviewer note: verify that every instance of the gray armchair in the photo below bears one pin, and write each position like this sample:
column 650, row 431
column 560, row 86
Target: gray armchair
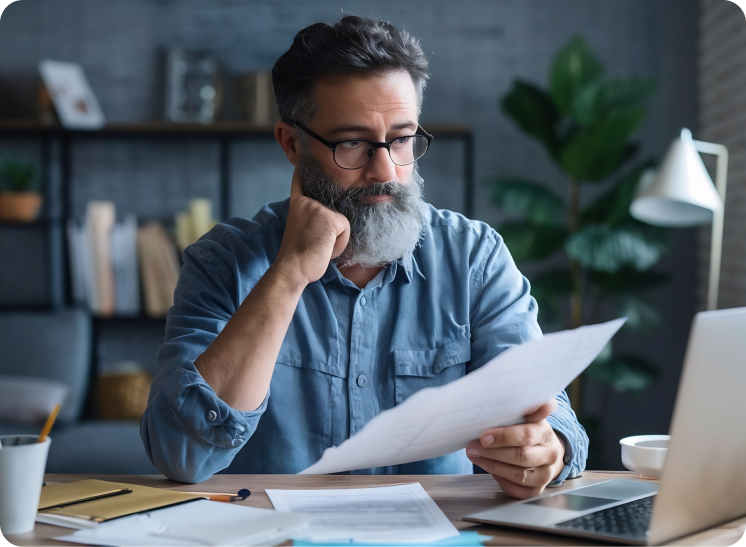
column 57, row 346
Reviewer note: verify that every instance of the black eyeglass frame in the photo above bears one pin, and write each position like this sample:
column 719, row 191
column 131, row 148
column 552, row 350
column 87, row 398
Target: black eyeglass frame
column 376, row 145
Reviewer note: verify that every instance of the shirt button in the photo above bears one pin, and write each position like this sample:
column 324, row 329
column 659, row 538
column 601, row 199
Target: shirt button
column 363, row 301
column 362, row 381
column 212, row 416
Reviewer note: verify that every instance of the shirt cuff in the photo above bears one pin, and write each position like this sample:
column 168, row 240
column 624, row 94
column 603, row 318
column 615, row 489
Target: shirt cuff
column 205, row 414
column 567, row 459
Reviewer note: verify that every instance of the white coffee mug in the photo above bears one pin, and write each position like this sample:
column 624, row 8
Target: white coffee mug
column 22, row 465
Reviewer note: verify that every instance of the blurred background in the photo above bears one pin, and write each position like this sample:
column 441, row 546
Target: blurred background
column 128, row 128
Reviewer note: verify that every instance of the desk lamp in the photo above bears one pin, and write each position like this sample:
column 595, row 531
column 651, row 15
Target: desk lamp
column 681, row 193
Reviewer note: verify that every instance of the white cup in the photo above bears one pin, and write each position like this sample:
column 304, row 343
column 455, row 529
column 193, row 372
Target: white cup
column 22, row 465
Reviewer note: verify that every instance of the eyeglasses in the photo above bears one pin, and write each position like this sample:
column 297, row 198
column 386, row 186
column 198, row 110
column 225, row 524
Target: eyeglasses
column 356, row 153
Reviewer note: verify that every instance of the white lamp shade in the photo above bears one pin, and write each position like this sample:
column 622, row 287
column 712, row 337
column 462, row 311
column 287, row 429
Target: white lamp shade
column 681, row 193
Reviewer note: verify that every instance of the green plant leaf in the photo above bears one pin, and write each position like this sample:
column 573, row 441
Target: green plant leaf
column 625, row 280
column 625, row 373
column 553, row 283
column 641, row 314
column 18, row 176
column 534, row 112
column 574, row 67
column 527, row 241
column 609, row 249
column 548, row 288
column 596, row 152
column 534, row 201
column 601, row 97
column 612, row 207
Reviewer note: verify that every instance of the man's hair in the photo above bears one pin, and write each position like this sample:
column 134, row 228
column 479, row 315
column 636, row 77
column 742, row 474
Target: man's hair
column 355, row 45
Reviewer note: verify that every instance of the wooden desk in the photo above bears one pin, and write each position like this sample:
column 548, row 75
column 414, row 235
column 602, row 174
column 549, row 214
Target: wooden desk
column 456, row 495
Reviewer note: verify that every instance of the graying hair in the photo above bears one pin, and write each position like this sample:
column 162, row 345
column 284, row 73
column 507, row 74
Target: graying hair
column 355, row 45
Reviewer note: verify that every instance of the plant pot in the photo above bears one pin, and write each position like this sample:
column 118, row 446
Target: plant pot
column 20, row 206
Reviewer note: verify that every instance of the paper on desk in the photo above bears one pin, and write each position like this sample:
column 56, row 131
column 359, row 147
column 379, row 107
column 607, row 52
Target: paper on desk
column 437, row 421
column 389, row 514
column 201, row 522
column 463, row 539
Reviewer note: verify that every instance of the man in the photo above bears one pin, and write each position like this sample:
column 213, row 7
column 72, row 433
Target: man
column 291, row 331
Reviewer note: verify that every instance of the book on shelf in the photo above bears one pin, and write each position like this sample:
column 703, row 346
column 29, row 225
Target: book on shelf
column 159, row 266
column 111, row 262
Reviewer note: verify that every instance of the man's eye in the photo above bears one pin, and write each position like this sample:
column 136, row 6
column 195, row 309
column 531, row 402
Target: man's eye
column 401, row 140
column 350, row 144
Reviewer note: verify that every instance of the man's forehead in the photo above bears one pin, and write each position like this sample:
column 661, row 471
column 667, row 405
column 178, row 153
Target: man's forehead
column 354, row 102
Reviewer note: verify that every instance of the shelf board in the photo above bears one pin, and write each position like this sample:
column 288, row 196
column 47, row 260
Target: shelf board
column 166, row 128
column 40, row 223
column 129, row 319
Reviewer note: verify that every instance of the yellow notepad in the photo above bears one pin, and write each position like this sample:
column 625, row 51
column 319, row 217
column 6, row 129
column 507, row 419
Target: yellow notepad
column 101, row 509
column 55, row 495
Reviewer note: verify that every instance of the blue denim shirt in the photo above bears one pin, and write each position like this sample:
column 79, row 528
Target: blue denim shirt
column 449, row 307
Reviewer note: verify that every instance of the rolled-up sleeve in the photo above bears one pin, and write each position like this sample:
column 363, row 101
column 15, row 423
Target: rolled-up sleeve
column 504, row 314
column 189, row 433
column 573, row 436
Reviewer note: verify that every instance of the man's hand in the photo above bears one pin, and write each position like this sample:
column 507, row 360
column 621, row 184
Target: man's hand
column 522, row 458
column 314, row 234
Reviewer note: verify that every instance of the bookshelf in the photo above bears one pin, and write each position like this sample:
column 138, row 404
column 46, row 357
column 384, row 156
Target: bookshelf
column 56, row 145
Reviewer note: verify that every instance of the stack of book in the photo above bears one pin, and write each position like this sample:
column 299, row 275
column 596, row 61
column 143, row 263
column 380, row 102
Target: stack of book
column 104, row 259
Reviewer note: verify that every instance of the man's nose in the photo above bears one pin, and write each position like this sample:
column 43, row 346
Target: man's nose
column 380, row 168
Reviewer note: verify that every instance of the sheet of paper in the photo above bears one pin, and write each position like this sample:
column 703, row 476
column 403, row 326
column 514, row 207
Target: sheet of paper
column 390, row 514
column 201, row 522
column 463, row 539
column 437, row 421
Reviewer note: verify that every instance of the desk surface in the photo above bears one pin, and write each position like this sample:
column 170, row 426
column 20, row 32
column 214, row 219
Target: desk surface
column 456, row 495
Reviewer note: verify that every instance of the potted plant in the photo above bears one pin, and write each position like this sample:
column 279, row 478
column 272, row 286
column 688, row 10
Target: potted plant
column 19, row 199
column 593, row 258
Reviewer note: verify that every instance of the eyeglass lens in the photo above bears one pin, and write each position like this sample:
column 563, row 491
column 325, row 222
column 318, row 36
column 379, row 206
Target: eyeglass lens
column 403, row 151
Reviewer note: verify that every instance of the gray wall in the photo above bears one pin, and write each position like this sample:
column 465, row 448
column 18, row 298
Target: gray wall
column 476, row 49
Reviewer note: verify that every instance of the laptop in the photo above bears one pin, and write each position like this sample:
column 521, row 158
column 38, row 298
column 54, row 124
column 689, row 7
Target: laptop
column 703, row 482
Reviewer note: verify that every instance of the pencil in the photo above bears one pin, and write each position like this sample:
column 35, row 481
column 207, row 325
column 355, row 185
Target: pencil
column 48, row 426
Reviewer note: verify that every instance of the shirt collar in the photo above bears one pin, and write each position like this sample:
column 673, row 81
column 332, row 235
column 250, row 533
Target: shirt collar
column 410, row 266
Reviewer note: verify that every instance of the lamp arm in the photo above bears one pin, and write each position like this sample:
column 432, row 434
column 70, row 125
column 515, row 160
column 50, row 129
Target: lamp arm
column 721, row 181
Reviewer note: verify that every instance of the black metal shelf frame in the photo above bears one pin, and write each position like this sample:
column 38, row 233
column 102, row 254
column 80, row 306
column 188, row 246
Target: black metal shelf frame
column 59, row 141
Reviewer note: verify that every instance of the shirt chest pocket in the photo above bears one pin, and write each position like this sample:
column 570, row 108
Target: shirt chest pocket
column 418, row 369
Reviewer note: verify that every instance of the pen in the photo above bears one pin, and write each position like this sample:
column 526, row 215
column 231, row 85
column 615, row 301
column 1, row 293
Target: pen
column 225, row 498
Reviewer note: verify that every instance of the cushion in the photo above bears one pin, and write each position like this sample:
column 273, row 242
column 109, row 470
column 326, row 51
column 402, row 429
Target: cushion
column 26, row 399
column 55, row 346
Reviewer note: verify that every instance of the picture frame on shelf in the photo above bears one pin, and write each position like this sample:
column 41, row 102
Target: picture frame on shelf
column 193, row 86
column 71, row 94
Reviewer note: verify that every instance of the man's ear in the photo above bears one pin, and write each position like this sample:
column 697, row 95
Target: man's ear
column 287, row 136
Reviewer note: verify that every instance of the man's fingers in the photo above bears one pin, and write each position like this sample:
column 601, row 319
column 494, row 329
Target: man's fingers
column 342, row 238
column 517, row 490
column 525, row 476
column 296, row 188
column 516, row 435
column 522, row 456
column 542, row 412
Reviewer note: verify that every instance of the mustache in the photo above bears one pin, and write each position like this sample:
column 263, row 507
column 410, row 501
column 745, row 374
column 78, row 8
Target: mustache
column 343, row 201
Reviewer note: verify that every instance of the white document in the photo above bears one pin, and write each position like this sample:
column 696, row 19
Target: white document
column 200, row 522
column 390, row 514
column 440, row 420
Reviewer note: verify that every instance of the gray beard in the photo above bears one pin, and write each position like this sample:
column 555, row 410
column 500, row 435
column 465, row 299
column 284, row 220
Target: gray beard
column 380, row 233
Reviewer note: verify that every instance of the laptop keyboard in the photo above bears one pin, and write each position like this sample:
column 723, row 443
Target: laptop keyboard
column 631, row 519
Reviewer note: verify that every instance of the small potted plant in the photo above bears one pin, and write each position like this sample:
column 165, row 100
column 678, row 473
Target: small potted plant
column 19, row 199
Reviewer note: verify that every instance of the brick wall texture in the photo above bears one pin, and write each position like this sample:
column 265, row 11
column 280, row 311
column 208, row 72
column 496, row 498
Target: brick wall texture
column 721, row 65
